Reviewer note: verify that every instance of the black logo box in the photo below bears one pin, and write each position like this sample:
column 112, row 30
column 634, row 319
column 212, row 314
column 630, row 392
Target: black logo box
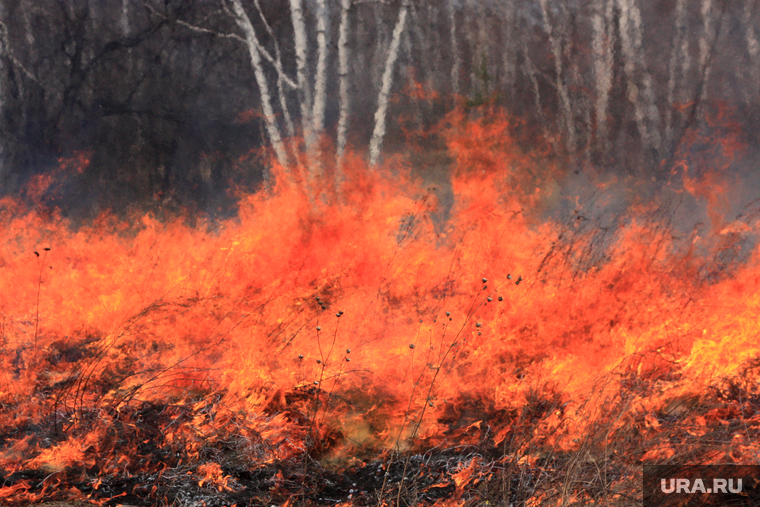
column 700, row 492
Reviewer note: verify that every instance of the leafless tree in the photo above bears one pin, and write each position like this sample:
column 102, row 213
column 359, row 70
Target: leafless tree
column 376, row 143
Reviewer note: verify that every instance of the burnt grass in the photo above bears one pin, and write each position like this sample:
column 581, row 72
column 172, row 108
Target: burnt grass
column 604, row 468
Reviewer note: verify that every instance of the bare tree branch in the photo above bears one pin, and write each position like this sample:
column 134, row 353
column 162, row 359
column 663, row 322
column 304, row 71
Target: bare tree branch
column 5, row 50
column 262, row 51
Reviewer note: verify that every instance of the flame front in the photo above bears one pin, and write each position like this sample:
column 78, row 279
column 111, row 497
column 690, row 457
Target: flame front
column 380, row 322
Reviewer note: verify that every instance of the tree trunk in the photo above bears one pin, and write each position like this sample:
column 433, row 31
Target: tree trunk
column 280, row 81
column 509, row 54
column 566, row 108
column 124, row 18
column 302, row 71
column 455, row 63
column 603, row 62
column 344, row 106
column 376, row 143
column 752, row 72
column 640, row 86
column 706, row 43
column 678, row 68
column 320, row 84
column 5, row 63
column 266, row 100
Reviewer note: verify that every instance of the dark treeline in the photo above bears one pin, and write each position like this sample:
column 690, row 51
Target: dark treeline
column 170, row 97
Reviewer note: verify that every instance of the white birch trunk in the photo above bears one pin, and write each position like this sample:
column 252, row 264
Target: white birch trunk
column 376, row 143
column 344, row 106
column 320, row 83
column 124, row 18
column 4, row 59
column 640, row 86
column 531, row 71
column 566, row 108
column 508, row 51
column 705, row 44
column 603, row 62
column 28, row 31
column 752, row 71
column 304, row 93
column 455, row 64
column 678, row 67
column 280, row 74
column 266, row 100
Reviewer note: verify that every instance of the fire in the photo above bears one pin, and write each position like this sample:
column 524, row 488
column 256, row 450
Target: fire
column 366, row 322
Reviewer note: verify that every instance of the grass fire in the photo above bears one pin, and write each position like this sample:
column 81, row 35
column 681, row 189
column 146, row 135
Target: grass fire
column 361, row 348
column 392, row 253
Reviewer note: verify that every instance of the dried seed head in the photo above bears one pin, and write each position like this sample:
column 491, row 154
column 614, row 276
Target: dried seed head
column 47, row 248
column 300, row 356
column 36, row 253
column 501, row 298
column 319, row 328
column 411, row 345
column 485, row 280
column 479, row 333
column 430, row 403
column 420, row 321
column 489, row 299
column 348, row 359
column 319, row 361
column 348, row 351
column 485, row 287
column 316, row 382
column 338, row 314
column 324, row 307
column 478, row 324
column 509, row 277
column 448, row 314
column 317, row 298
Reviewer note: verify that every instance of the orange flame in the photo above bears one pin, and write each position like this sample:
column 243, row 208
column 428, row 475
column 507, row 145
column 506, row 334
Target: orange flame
column 362, row 324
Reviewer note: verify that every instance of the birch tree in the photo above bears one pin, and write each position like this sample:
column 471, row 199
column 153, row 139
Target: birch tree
column 124, row 18
column 4, row 60
column 252, row 43
column 678, row 67
column 752, row 71
column 640, row 85
column 304, row 93
column 705, row 43
column 509, row 53
column 320, row 84
column 565, row 106
column 376, row 142
column 603, row 62
column 343, row 55
column 455, row 60
column 280, row 75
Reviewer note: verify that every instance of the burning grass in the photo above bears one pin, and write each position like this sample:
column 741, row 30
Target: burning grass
column 352, row 347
